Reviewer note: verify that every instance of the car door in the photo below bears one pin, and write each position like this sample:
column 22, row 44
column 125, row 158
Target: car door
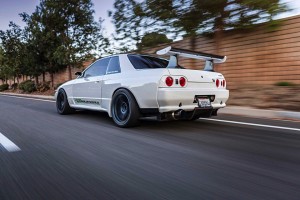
column 87, row 87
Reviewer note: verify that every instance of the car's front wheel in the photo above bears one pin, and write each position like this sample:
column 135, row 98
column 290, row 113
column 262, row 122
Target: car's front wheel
column 62, row 104
column 124, row 109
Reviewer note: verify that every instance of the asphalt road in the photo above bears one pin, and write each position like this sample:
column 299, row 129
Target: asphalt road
column 84, row 156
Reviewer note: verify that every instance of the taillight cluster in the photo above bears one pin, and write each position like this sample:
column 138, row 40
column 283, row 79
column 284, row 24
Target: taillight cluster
column 170, row 81
column 182, row 81
column 221, row 83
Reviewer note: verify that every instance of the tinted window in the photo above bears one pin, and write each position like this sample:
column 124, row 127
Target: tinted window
column 146, row 62
column 114, row 65
column 98, row 68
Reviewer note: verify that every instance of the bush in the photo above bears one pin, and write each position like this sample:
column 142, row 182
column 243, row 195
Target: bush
column 14, row 86
column 43, row 87
column 27, row 86
column 4, row 87
column 285, row 84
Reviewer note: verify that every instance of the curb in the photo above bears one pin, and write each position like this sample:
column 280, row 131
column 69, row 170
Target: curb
column 232, row 110
column 260, row 113
column 29, row 96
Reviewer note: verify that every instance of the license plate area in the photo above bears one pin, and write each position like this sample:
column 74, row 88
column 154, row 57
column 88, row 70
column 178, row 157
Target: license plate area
column 203, row 101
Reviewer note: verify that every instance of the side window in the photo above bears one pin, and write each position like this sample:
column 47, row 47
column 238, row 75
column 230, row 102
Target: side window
column 98, row 68
column 114, row 65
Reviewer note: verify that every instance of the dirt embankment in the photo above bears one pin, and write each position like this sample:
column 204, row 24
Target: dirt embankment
column 266, row 97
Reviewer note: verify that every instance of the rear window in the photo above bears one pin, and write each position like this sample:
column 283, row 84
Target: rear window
column 147, row 62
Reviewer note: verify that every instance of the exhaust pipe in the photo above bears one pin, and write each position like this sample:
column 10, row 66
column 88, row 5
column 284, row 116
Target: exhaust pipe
column 178, row 114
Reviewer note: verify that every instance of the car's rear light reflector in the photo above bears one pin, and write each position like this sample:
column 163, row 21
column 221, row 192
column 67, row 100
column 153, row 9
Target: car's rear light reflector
column 182, row 81
column 169, row 81
column 217, row 82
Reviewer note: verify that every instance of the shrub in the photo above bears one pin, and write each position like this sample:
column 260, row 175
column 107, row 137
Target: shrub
column 27, row 86
column 14, row 86
column 4, row 87
column 284, row 84
column 42, row 87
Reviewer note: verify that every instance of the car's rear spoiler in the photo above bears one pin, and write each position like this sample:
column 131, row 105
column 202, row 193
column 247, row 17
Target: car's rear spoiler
column 174, row 52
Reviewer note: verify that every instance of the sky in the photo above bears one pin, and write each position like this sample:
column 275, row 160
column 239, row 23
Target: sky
column 9, row 10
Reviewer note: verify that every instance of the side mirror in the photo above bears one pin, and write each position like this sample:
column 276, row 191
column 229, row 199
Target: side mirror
column 78, row 73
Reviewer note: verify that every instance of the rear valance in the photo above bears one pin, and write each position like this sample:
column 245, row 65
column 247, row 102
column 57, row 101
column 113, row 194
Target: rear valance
column 191, row 54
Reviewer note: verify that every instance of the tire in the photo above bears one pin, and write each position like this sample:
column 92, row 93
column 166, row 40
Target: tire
column 62, row 104
column 124, row 109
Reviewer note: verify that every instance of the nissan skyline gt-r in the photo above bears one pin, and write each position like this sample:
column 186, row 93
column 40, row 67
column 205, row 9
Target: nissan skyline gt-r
column 131, row 86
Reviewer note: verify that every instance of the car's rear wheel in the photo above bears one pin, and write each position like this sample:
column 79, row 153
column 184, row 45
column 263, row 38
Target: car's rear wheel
column 124, row 109
column 62, row 104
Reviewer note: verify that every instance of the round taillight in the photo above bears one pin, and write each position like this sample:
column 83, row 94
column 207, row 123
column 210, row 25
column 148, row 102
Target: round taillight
column 182, row 81
column 169, row 81
column 217, row 82
column 224, row 83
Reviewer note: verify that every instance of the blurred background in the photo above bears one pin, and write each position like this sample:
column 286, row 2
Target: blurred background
column 42, row 43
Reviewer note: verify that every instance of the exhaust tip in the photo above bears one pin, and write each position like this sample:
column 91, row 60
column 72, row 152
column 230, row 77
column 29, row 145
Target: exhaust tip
column 178, row 114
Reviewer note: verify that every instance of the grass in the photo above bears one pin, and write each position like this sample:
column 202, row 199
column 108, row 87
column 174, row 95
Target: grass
column 284, row 83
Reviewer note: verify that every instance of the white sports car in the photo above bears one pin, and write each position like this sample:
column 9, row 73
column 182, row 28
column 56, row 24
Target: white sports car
column 131, row 86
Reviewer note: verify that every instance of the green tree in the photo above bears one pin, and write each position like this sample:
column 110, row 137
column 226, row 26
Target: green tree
column 41, row 45
column 128, row 18
column 36, row 46
column 132, row 22
column 192, row 17
column 152, row 39
column 13, row 47
column 2, row 66
column 65, row 33
column 105, row 46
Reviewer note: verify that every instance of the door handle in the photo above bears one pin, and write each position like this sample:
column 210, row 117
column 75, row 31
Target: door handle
column 97, row 81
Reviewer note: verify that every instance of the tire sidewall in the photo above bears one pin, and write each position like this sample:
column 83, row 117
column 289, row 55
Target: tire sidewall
column 64, row 109
column 131, row 119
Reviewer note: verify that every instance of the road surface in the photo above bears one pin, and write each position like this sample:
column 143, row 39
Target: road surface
column 44, row 155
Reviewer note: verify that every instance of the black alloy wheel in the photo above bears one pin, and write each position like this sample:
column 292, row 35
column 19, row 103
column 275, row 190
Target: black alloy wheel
column 125, row 111
column 62, row 104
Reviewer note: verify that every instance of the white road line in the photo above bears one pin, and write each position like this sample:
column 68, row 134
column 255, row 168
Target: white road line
column 27, row 98
column 252, row 124
column 7, row 144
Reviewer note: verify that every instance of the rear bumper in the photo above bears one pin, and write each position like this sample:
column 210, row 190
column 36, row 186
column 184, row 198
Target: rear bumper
column 172, row 99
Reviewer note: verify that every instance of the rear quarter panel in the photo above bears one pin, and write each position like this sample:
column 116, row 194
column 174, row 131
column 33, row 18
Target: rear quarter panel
column 143, row 84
